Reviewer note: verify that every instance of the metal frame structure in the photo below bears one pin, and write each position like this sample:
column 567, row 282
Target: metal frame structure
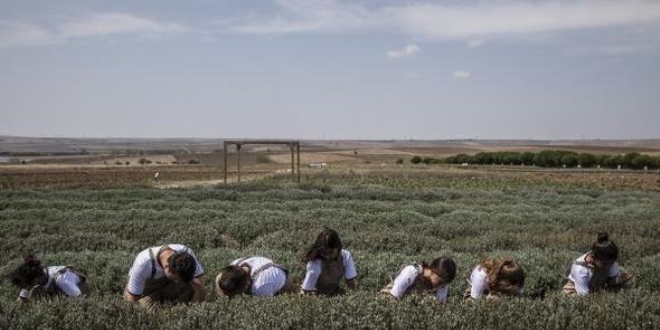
column 294, row 146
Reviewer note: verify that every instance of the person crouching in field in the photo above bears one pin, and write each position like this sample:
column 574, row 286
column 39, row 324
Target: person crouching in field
column 36, row 281
column 422, row 278
column 257, row 276
column 326, row 264
column 494, row 278
column 596, row 270
column 165, row 274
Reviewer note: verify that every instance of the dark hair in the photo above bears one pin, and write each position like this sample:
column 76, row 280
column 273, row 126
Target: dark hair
column 327, row 239
column 25, row 274
column 604, row 249
column 505, row 276
column 444, row 267
column 232, row 280
column 183, row 264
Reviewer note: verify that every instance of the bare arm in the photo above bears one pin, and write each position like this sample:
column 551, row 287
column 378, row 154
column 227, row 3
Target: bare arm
column 352, row 283
column 198, row 285
column 618, row 281
column 130, row 297
column 23, row 296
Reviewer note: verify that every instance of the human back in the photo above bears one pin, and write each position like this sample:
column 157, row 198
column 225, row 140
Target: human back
column 326, row 264
column 36, row 281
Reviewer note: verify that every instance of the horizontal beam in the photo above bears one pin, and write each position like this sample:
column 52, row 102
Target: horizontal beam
column 261, row 142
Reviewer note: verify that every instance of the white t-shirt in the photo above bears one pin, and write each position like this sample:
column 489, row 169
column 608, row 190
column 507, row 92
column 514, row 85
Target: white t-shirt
column 407, row 277
column 269, row 281
column 581, row 275
column 67, row 282
column 142, row 267
column 315, row 267
column 479, row 283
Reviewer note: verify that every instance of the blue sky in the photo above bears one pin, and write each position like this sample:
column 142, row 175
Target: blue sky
column 331, row 69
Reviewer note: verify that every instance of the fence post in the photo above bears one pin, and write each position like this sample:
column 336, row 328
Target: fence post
column 238, row 161
column 224, row 147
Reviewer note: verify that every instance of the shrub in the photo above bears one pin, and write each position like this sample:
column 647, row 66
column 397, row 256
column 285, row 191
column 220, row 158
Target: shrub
column 386, row 219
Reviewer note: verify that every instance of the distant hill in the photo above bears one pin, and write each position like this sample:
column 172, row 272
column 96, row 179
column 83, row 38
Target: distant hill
column 84, row 146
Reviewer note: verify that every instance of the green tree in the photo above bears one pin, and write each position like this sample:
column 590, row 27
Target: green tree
column 586, row 160
column 628, row 159
column 483, row 158
column 527, row 158
column 640, row 161
column 569, row 159
column 545, row 158
column 511, row 158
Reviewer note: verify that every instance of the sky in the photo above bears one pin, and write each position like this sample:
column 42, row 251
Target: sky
column 331, row 69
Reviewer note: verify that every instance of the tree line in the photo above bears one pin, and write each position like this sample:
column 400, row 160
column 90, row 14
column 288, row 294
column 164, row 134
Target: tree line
column 549, row 158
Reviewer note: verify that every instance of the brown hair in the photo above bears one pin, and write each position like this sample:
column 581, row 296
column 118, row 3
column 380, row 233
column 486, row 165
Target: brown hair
column 504, row 275
column 183, row 264
column 444, row 267
column 604, row 249
column 231, row 281
column 326, row 239
column 25, row 274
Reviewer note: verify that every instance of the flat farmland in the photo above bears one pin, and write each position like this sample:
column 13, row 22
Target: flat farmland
column 100, row 177
column 386, row 217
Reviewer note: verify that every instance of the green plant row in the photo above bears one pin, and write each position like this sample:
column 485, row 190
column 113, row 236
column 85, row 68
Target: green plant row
column 382, row 219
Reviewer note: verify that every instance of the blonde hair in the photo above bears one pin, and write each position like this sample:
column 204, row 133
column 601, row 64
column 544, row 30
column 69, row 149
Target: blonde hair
column 505, row 276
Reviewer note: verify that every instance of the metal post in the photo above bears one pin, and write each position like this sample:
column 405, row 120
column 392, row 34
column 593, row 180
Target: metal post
column 293, row 164
column 225, row 152
column 238, row 161
column 298, row 150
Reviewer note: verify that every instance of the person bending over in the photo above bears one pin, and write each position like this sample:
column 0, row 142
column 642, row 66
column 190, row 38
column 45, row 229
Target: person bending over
column 495, row 278
column 327, row 263
column 596, row 270
column 166, row 274
column 257, row 276
column 36, row 281
column 423, row 278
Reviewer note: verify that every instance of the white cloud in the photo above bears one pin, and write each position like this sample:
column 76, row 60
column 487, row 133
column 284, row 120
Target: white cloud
column 611, row 49
column 471, row 22
column 462, row 74
column 102, row 24
column 19, row 34
column 303, row 16
column 515, row 17
column 407, row 51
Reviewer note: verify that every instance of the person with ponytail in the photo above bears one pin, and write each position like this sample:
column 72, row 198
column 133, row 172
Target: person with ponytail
column 494, row 278
column 36, row 281
column 326, row 264
column 423, row 278
column 595, row 270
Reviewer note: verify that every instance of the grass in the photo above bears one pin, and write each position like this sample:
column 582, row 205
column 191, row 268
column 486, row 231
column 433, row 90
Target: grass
column 385, row 219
